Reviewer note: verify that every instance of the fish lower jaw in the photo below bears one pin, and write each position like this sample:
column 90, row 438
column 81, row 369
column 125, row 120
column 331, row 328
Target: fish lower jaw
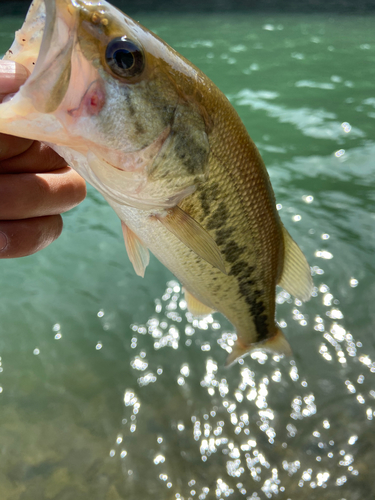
column 19, row 117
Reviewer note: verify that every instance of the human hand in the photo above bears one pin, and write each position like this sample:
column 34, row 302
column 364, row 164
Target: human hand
column 36, row 185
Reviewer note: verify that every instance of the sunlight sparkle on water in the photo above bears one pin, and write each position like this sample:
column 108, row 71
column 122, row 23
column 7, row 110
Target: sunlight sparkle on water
column 323, row 254
column 229, row 429
column 308, row 198
column 340, row 153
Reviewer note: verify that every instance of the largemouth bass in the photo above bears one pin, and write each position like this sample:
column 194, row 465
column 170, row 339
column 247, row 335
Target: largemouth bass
column 169, row 153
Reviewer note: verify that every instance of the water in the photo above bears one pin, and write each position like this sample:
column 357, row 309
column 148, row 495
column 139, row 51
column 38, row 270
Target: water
column 110, row 390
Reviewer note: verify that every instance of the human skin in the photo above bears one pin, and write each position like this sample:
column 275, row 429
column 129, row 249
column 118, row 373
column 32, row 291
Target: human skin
column 36, row 185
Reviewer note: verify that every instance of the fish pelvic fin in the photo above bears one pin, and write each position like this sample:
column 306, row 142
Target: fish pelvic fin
column 193, row 235
column 195, row 306
column 138, row 253
column 296, row 276
column 276, row 344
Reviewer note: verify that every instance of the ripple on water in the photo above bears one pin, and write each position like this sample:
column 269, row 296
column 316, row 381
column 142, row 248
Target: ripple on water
column 266, row 427
column 316, row 123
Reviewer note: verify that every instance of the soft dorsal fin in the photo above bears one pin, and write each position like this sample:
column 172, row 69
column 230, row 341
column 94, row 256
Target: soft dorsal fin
column 277, row 345
column 296, row 277
column 138, row 254
column 193, row 236
column 195, row 306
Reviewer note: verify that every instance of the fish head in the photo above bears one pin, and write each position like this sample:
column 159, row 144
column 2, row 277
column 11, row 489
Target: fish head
column 116, row 101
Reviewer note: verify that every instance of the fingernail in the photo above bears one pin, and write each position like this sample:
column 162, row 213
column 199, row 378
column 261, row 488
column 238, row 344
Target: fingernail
column 12, row 76
column 3, row 241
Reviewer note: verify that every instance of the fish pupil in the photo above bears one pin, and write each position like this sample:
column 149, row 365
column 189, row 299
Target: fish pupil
column 124, row 58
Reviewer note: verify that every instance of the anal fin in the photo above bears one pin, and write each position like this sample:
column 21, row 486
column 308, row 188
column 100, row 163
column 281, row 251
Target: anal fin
column 296, row 276
column 276, row 344
column 138, row 253
column 195, row 306
column 193, row 235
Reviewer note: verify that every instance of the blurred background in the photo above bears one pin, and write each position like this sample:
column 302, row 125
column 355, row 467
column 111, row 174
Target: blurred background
column 110, row 390
column 306, row 6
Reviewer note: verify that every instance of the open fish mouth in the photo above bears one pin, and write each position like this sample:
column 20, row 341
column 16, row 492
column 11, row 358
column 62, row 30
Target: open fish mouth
column 28, row 39
column 44, row 45
column 59, row 77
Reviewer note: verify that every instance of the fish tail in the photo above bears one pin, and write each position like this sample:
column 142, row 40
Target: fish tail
column 276, row 344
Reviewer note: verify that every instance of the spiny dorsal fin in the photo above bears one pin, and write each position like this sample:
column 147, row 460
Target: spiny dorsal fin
column 195, row 306
column 277, row 344
column 296, row 277
column 138, row 254
column 193, row 236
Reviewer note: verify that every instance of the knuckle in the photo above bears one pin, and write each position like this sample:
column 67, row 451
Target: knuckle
column 38, row 188
column 80, row 188
column 76, row 187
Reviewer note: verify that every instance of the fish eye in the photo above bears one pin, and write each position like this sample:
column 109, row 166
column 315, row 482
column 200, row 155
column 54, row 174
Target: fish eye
column 124, row 57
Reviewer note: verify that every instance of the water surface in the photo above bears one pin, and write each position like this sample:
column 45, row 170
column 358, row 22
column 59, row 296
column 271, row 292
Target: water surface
column 111, row 390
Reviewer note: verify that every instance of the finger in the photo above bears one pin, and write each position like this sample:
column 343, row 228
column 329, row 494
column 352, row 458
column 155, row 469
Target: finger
column 13, row 146
column 24, row 196
column 25, row 237
column 12, row 76
column 37, row 158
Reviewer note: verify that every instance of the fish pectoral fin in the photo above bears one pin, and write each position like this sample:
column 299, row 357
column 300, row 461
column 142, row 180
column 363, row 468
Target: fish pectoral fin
column 195, row 306
column 296, row 276
column 276, row 344
column 138, row 253
column 192, row 234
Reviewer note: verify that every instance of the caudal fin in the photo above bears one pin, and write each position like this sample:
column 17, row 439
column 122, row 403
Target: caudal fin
column 277, row 344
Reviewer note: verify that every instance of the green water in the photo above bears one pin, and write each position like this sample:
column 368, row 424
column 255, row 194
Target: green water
column 110, row 391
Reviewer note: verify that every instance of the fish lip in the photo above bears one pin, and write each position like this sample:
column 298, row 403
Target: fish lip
column 44, row 45
column 50, row 19
column 53, row 65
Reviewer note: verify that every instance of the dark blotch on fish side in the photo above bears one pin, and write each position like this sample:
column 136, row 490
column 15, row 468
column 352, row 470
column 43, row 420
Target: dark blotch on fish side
column 222, row 235
column 218, row 218
column 205, row 203
column 216, row 288
column 195, row 161
column 241, row 268
column 260, row 320
column 256, row 308
column 252, row 297
column 208, row 196
column 232, row 251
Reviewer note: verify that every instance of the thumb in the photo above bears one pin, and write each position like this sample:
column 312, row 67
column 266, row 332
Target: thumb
column 12, row 76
